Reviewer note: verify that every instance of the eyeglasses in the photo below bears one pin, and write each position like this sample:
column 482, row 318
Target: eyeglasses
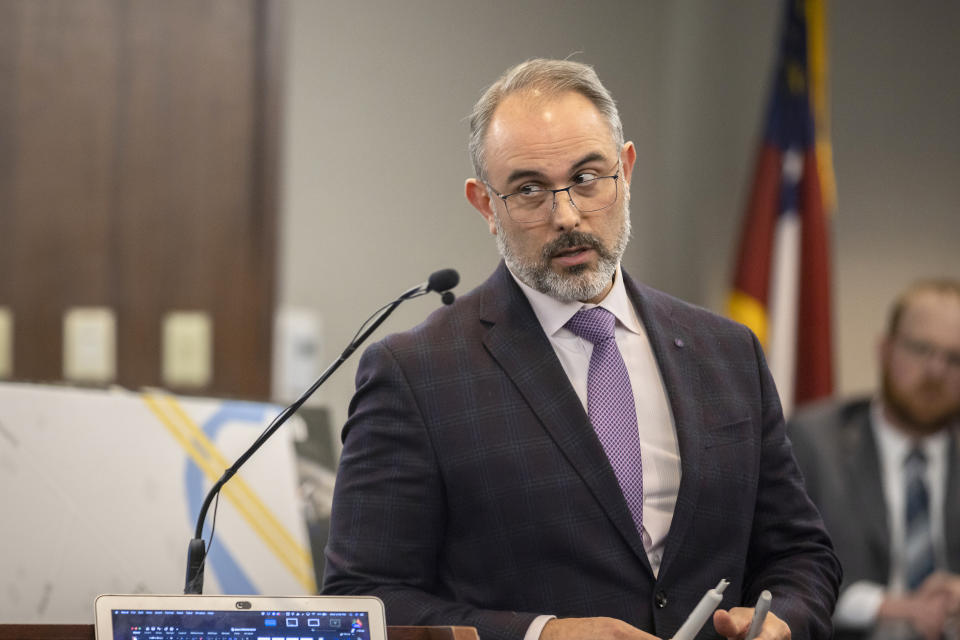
column 925, row 351
column 534, row 203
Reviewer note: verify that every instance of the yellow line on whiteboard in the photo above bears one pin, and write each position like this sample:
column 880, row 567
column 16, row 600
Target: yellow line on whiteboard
column 209, row 459
column 280, row 530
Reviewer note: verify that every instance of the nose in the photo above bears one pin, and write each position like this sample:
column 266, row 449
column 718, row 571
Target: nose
column 566, row 216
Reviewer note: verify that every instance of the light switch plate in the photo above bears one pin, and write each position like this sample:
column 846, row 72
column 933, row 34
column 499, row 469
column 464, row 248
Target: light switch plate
column 90, row 345
column 6, row 343
column 187, row 349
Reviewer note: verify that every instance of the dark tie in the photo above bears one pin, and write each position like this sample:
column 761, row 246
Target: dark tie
column 610, row 404
column 918, row 554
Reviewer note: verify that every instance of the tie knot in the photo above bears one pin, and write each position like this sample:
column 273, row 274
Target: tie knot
column 596, row 324
column 916, row 459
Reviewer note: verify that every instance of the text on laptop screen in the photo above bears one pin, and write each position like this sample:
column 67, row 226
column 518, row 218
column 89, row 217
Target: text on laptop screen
column 178, row 624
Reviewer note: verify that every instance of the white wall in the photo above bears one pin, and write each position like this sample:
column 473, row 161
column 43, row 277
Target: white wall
column 375, row 150
column 896, row 138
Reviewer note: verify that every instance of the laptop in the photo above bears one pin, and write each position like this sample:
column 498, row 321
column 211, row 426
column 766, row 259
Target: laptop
column 197, row 617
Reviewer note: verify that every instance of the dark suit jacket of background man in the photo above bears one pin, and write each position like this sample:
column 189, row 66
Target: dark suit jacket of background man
column 837, row 453
column 473, row 490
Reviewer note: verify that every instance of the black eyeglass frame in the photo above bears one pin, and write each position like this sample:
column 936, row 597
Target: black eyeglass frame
column 616, row 176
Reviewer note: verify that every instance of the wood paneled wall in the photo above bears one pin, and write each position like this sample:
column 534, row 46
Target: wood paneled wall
column 138, row 171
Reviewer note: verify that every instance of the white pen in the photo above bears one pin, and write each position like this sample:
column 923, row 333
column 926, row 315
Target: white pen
column 759, row 613
column 695, row 621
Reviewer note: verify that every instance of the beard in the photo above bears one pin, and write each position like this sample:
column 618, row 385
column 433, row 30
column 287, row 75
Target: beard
column 578, row 282
column 924, row 410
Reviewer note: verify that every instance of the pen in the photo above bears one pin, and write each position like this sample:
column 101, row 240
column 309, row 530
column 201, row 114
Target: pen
column 759, row 613
column 695, row 621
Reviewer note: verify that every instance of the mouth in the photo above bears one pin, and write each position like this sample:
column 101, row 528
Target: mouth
column 571, row 256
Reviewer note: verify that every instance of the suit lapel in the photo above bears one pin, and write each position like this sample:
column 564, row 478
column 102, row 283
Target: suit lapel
column 515, row 339
column 670, row 342
column 860, row 456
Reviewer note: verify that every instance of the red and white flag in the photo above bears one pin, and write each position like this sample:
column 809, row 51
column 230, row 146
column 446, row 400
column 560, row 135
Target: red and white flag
column 781, row 289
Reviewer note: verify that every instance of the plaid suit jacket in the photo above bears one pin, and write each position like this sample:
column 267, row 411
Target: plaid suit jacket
column 472, row 489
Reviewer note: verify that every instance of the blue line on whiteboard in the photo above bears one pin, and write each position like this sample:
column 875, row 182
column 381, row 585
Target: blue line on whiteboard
column 229, row 573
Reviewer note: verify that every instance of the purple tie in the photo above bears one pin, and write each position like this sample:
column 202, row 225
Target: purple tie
column 610, row 404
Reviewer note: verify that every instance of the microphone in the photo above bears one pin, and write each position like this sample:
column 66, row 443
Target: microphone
column 439, row 281
column 443, row 280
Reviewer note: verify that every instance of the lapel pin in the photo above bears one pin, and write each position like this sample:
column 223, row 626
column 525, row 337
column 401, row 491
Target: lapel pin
column 678, row 342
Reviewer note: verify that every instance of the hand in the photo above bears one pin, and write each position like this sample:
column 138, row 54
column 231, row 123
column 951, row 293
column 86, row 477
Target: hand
column 592, row 629
column 945, row 584
column 926, row 612
column 735, row 623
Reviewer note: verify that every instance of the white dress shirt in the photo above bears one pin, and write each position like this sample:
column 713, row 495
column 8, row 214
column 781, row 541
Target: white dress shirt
column 660, row 452
column 859, row 603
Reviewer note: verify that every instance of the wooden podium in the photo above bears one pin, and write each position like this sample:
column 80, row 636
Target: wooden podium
column 85, row 632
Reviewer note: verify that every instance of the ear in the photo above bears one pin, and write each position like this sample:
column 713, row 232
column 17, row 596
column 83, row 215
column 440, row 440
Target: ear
column 479, row 197
column 628, row 156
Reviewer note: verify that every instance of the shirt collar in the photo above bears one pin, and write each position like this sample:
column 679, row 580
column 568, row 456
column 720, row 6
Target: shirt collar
column 553, row 314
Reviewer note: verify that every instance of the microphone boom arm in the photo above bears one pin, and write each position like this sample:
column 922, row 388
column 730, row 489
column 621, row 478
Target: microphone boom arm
column 196, row 552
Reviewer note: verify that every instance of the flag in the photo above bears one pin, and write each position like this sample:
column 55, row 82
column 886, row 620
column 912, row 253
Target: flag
column 781, row 287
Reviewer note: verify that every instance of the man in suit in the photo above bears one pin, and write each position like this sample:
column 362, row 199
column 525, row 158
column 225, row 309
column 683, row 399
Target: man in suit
column 506, row 466
column 885, row 473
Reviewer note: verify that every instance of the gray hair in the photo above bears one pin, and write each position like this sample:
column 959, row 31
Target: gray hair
column 551, row 77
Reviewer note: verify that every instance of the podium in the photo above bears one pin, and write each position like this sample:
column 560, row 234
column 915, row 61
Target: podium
column 85, row 632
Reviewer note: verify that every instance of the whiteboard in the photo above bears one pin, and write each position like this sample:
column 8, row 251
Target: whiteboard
column 100, row 491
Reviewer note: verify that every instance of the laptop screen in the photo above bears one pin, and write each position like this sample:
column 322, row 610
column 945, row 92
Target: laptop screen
column 180, row 624
column 148, row 617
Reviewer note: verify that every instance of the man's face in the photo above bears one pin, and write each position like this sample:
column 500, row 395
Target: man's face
column 921, row 364
column 549, row 142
